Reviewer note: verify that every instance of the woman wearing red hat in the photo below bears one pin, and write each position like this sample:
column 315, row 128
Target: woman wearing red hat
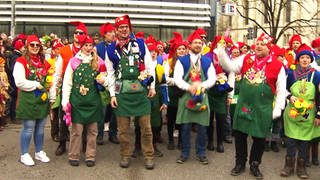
column 302, row 114
column 30, row 73
column 81, row 92
column 178, row 48
column 294, row 44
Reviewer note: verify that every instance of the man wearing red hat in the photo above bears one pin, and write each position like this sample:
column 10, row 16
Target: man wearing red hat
column 263, row 83
column 66, row 53
column 194, row 74
column 129, row 68
column 107, row 31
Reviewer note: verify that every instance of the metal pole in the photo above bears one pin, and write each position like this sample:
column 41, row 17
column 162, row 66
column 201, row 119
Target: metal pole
column 13, row 18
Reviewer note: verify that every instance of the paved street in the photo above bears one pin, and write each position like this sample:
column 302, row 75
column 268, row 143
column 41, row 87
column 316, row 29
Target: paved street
column 108, row 159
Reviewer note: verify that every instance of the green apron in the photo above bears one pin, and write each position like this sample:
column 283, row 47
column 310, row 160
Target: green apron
column 217, row 101
column 253, row 113
column 86, row 109
column 301, row 128
column 185, row 115
column 131, row 104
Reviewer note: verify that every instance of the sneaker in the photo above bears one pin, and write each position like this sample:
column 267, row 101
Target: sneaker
column 27, row 160
column 73, row 162
column 41, row 156
column 149, row 164
column 203, row 160
column 181, row 160
column 90, row 163
column 124, row 162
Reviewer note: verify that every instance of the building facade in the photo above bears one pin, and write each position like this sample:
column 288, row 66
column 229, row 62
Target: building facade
column 159, row 18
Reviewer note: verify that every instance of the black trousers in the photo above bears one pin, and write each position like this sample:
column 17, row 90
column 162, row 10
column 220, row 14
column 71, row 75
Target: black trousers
column 171, row 124
column 241, row 146
column 220, row 119
column 63, row 128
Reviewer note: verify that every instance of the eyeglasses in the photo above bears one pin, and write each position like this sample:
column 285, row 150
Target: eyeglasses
column 34, row 45
column 78, row 33
column 203, row 37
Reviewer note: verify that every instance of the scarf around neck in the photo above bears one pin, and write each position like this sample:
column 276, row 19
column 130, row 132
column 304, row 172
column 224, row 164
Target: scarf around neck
column 302, row 73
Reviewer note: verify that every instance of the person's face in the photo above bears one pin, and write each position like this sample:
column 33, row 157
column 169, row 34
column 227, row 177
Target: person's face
column 123, row 31
column 34, row 47
column 181, row 51
column 48, row 44
column 304, row 61
column 56, row 51
column 154, row 54
column 196, row 46
column 76, row 34
column 261, row 49
column 109, row 36
column 87, row 49
column 295, row 45
column 160, row 48
column 204, row 38
column 235, row 53
column 317, row 50
column 244, row 50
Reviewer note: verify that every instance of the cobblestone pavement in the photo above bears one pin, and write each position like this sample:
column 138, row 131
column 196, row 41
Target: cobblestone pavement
column 107, row 165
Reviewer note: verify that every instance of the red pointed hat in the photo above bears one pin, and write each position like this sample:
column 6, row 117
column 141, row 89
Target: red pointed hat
column 233, row 47
column 125, row 19
column 241, row 44
column 85, row 39
column 315, row 43
column 295, row 37
column 107, row 27
column 194, row 35
column 176, row 42
column 277, row 51
column 140, row 34
column 266, row 39
column 79, row 26
column 202, row 32
column 56, row 44
column 160, row 43
column 150, row 40
column 153, row 47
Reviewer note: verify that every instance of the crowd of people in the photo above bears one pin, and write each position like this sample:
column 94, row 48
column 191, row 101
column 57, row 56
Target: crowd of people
column 268, row 92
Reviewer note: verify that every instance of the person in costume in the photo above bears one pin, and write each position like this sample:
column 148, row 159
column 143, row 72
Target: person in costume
column 178, row 48
column 81, row 93
column 130, row 72
column 294, row 44
column 54, row 107
column 243, row 47
column 194, row 74
column 218, row 104
column 66, row 53
column 302, row 113
column 315, row 44
column 263, row 79
column 30, row 71
column 107, row 31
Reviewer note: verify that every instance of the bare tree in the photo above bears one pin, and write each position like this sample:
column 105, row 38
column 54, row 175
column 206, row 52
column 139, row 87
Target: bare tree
column 273, row 9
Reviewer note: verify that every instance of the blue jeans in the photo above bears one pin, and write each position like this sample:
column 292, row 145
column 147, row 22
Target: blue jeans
column 294, row 145
column 201, row 140
column 35, row 127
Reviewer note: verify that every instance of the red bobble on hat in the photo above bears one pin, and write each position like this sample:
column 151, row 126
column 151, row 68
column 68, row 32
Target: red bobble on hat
column 18, row 44
column 80, row 26
column 194, row 35
column 107, row 27
column 295, row 37
column 125, row 19
column 315, row 43
column 32, row 38
column 56, row 44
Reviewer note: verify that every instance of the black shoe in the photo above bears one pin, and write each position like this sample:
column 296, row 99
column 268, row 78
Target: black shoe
column 274, row 146
column 220, row 148
column 181, row 160
column 61, row 149
column 254, row 169
column 114, row 139
column 74, row 162
column 170, row 145
column 55, row 138
column 228, row 139
column 149, row 164
column 203, row 160
column 237, row 170
column 90, row 163
column 210, row 146
column 125, row 162
column 100, row 140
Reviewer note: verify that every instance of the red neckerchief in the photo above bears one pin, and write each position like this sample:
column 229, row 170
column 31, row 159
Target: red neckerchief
column 259, row 63
column 35, row 61
column 122, row 42
column 75, row 49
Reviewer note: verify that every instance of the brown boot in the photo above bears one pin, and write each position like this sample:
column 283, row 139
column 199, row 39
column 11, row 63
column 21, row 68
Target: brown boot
column 301, row 169
column 288, row 169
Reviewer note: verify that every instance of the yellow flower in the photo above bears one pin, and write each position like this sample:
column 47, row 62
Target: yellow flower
column 293, row 67
column 44, row 96
column 203, row 108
